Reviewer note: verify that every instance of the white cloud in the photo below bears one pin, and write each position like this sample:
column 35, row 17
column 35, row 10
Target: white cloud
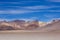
column 34, row 7
column 37, row 7
column 50, row 15
column 20, row 2
column 53, row 10
column 26, row 19
column 17, row 11
column 28, row 9
column 4, row 19
column 31, row 1
column 10, row 3
column 29, row 19
column 53, row 0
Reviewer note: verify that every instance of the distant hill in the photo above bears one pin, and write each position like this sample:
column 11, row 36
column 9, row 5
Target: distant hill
column 51, row 27
column 18, row 25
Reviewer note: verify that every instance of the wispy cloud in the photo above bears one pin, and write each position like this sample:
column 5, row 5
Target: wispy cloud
column 4, row 19
column 26, row 19
column 16, row 11
column 50, row 15
column 19, row 2
column 57, row 11
column 37, row 7
column 27, row 9
column 53, row 0
column 10, row 3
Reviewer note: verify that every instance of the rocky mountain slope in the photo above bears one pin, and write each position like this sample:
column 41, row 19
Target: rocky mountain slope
column 30, row 25
column 18, row 25
column 51, row 27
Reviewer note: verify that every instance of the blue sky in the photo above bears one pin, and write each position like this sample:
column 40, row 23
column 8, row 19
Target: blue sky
column 43, row 10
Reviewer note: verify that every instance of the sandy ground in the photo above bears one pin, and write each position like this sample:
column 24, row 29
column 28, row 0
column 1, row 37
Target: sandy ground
column 26, row 31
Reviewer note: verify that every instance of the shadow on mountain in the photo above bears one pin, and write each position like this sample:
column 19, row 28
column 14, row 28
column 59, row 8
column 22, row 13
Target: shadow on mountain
column 19, row 25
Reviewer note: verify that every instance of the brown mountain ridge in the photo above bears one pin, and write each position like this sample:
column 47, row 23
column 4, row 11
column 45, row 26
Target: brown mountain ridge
column 30, row 25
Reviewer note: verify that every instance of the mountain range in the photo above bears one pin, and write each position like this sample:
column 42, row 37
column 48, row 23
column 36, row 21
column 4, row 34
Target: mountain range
column 18, row 25
column 54, row 25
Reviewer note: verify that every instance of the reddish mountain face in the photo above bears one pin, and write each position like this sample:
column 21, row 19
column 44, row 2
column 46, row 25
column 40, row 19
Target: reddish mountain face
column 51, row 27
column 19, row 25
column 30, row 25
